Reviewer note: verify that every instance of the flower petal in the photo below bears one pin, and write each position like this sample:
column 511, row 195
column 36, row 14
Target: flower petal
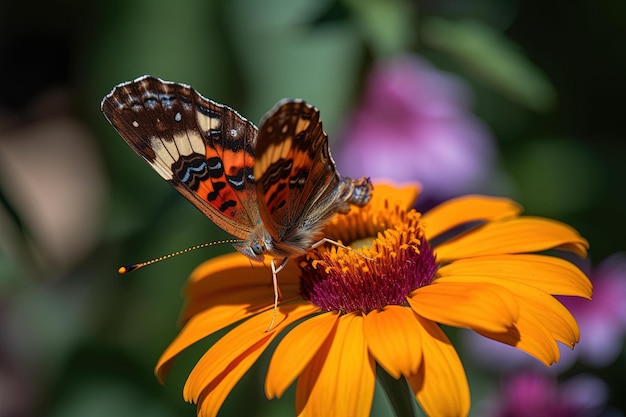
column 401, row 195
column 530, row 335
column 550, row 274
column 221, row 367
column 524, row 234
column 221, row 292
column 340, row 379
column 230, row 279
column 479, row 306
column 393, row 340
column 556, row 319
column 197, row 328
column 440, row 385
column 296, row 350
column 471, row 208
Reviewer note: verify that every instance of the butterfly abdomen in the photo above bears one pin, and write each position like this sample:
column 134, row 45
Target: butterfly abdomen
column 361, row 191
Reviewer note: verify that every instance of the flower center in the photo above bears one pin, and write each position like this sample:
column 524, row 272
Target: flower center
column 397, row 261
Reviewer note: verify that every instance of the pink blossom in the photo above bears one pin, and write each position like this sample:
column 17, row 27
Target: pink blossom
column 534, row 394
column 602, row 320
column 414, row 124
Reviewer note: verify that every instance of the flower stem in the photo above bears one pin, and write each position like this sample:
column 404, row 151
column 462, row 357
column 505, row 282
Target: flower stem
column 398, row 393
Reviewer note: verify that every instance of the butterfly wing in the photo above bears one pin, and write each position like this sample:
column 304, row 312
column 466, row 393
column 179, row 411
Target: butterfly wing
column 205, row 150
column 296, row 176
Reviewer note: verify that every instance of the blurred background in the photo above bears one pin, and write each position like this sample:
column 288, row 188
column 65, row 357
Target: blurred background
column 517, row 98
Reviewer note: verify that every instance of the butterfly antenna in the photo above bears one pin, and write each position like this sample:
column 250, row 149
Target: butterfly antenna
column 132, row 267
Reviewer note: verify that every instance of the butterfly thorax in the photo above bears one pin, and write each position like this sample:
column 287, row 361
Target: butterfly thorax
column 302, row 236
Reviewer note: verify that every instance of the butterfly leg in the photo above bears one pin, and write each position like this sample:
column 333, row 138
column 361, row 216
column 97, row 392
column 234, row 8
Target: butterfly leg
column 334, row 242
column 277, row 294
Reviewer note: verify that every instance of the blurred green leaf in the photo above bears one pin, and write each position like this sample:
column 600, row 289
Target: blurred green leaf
column 104, row 397
column 182, row 43
column 387, row 25
column 283, row 54
column 492, row 58
column 557, row 176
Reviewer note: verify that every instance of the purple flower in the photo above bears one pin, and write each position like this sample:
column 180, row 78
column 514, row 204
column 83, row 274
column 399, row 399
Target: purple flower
column 540, row 395
column 414, row 124
column 602, row 320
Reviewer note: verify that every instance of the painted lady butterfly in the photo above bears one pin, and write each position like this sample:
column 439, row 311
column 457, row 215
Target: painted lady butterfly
column 272, row 187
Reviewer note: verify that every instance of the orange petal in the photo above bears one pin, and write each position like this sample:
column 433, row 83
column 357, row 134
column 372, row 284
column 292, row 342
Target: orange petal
column 296, row 350
column 467, row 209
column 403, row 195
column 440, row 385
column 197, row 328
column 548, row 273
column 232, row 279
column 226, row 361
column 393, row 340
column 340, row 379
column 470, row 304
column 556, row 319
column 530, row 335
column 524, row 234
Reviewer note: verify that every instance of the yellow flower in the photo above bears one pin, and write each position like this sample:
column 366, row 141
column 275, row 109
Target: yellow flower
column 470, row 262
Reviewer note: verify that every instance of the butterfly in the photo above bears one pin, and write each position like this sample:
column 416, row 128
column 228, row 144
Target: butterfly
column 272, row 187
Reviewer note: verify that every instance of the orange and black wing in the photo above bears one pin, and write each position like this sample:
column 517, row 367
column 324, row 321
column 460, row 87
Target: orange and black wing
column 295, row 173
column 202, row 148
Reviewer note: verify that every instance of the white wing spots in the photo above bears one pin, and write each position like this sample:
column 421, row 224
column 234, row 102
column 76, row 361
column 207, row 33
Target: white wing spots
column 197, row 144
column 172, row 147
column 188, row 143
column 284, row 129
column 234, row 133
column 207, row 123
column 161, row 150
column 150, row 100
column 167, row 101
column 167, row 152
column 178, row 117
column 272, row 154
column 163, row 160
column 164, row 172
column 182, row 144
column 135, row 123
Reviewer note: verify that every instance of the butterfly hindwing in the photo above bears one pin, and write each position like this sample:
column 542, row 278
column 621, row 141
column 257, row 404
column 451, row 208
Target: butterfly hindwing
column 293, row 168
column 204, row 149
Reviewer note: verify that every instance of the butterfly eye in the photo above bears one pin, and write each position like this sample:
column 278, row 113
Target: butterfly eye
column 257, row 248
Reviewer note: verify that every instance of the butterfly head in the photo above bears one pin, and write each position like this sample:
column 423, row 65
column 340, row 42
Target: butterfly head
column 254, row 249
column 258, row 244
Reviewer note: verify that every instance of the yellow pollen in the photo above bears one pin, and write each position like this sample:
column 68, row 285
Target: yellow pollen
column 377, row 231
column 387, row 258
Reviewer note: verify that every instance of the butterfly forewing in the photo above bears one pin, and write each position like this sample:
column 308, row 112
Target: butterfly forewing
column 294, row 170
column 202, row 148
